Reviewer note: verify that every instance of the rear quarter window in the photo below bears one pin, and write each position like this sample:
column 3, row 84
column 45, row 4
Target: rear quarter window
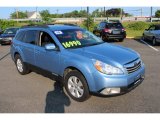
column 20, row 36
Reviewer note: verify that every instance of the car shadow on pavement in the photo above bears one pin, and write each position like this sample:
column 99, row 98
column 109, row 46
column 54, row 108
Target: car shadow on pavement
column 56, row 100
column 1, row 58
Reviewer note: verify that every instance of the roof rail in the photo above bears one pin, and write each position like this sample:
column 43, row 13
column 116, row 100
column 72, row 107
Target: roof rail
column 31, row 26
column 46, row 25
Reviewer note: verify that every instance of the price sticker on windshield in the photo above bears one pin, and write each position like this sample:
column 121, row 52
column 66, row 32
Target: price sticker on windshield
column 71, row 44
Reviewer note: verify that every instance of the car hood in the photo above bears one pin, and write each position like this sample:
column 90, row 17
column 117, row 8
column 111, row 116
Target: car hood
column 7, row 35
column 108, row 53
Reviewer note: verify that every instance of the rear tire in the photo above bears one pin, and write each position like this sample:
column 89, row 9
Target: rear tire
column 103, row 37
column 121, row 40
column 76, row 86
column 21, row 66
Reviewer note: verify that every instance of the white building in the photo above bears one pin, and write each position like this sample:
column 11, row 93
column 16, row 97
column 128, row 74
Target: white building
column 33, row 15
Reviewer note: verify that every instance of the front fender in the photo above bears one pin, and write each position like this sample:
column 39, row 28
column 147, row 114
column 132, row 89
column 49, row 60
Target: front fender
column 86, row 68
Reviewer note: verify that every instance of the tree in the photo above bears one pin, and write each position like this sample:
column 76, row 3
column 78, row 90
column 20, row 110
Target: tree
column 89, row 22
column 157, row 13
column 96, row 13
column 114, row 12
column 45, row 14
column 19, row 14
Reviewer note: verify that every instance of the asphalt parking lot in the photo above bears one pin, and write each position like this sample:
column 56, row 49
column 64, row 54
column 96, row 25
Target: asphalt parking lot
column 35, row 93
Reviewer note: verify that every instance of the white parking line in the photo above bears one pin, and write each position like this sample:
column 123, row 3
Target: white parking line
column 149, row 45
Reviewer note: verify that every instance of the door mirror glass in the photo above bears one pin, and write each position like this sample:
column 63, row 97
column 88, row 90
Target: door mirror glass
column 50, row 47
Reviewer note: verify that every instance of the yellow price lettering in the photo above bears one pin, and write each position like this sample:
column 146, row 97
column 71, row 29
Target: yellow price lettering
column 71, row 43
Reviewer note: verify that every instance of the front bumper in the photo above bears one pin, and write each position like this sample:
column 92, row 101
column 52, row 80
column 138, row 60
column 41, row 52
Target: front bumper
column 124, row 83
column 5, row 41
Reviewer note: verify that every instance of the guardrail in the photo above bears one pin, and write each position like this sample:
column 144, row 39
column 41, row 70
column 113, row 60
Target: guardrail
column 79, row 20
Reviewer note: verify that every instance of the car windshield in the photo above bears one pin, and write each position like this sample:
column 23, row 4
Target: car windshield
column 114, row 25
column 77, row 38
column 11, row 31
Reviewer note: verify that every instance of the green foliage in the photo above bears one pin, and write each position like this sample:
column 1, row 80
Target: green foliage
column 97, row 13
column 20, row 14
column 45, row 14
column 90, row 23
column 75, row 13
column 116, row 12
column 157, row 13
column 5, row 24
column 137, row 25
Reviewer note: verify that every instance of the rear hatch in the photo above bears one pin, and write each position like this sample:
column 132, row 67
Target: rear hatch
column 115, row 28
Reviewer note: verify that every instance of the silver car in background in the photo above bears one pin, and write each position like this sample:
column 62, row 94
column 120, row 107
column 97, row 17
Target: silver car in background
column 152, row 34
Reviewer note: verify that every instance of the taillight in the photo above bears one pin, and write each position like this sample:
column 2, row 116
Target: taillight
column 108, row 30
column 123, row 29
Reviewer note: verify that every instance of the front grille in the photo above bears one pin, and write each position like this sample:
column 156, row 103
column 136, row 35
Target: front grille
column 133, row 66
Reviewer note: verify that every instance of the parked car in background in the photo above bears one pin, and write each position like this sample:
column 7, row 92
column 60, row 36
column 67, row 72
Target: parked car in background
column 110, row 30
column 7, row 36
column 152, row 34
column 85, row 63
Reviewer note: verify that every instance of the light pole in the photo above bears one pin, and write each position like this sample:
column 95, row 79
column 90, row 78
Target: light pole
column 87, row 18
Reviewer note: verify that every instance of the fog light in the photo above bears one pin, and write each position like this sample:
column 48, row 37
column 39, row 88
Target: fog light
column 110, row 91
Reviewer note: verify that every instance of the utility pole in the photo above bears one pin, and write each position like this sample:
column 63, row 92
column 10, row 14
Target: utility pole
column 36, row 12
column 101, row 12
column 141, row 12
column 57, row 11
column 104, row 12
column 87, row 18
column 151, row 13
column 121, row 14
column 16, row 14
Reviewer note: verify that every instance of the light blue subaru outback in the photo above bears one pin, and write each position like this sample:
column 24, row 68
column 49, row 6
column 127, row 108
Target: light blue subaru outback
column 83, row 61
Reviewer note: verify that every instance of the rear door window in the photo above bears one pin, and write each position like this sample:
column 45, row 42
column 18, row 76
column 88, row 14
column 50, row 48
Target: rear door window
column 157, row 27
column 114, row 25
column 31, row 37
column 152, row 28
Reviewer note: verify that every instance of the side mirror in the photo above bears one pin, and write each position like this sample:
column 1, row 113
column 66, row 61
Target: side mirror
column 50, row 47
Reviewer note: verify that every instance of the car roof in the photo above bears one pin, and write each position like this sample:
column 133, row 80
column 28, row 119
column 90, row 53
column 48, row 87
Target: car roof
column 53, row 27
column 62, row 27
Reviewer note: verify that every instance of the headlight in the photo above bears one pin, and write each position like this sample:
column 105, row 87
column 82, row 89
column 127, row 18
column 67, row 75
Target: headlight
column 107, row 69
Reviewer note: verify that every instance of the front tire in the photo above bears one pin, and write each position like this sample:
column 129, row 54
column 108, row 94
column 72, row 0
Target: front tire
column 154, row 41
column 21, row 66
column 143, row 38
column 76, row 86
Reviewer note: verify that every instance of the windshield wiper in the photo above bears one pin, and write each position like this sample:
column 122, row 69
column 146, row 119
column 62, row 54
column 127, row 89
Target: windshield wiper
column 96, row 43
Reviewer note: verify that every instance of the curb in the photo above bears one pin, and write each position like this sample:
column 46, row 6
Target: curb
column 130, row 37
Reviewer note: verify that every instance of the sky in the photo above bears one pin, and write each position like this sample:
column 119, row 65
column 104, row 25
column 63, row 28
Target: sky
column 135, row 11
